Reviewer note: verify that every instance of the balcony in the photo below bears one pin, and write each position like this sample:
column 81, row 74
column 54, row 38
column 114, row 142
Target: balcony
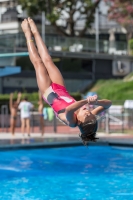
column 17, row 43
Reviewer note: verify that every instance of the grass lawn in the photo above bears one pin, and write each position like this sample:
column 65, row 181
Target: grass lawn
column 116, row 90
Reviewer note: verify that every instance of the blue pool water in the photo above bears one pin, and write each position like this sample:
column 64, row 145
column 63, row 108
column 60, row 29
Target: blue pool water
column 72, row 173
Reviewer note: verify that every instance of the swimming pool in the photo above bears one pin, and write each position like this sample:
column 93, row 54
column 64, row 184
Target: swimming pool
column 71, row 173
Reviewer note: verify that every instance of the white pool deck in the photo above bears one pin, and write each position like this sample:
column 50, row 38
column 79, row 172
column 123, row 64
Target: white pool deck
column 102, row 136
column 58, row 135
column 116, row 139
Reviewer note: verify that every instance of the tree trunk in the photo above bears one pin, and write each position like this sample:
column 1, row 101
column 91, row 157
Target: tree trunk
column 89, row 18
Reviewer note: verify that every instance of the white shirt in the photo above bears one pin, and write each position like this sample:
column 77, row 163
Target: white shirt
column 25, row 108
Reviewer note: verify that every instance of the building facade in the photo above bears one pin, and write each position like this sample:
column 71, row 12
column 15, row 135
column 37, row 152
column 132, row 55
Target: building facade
column 11, row 16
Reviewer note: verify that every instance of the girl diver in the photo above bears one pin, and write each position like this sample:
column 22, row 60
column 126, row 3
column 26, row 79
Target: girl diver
column 51, row 85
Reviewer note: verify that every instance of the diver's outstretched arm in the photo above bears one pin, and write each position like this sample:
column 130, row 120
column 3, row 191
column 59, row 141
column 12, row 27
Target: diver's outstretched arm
column 76, row 105
column 102, row 105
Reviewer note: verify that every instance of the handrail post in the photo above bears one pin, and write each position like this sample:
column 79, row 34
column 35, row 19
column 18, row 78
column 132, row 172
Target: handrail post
column 4, row 114
column 55, row 124
column 107, row 122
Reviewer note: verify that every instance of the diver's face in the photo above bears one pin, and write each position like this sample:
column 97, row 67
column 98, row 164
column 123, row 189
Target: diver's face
column 84, row 115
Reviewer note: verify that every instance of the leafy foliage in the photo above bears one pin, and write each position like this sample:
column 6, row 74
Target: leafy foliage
column 129, row 77
column 131, row 44
column 122, row 12
column 32, row 97
column 70, row 12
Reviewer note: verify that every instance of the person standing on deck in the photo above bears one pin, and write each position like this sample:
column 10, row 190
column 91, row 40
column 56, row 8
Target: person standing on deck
column 40, row 111
column 13, row 106
column 25, row 107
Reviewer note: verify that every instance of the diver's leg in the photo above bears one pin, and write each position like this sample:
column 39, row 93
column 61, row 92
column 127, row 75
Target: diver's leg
column 28, row 126
column 42, row 75
column 53, row 71
column 22, row 126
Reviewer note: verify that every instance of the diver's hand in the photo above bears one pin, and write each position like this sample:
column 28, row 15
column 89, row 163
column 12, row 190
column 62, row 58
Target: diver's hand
column 92, row 99
column 11, row 95
column 19, row 94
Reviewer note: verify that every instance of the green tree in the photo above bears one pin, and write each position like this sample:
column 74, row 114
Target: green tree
column 71, row 12
column 122, row 12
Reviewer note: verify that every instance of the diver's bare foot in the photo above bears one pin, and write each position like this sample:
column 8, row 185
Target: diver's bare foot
column 92, row 99
column 26, row 29
column 32, row 25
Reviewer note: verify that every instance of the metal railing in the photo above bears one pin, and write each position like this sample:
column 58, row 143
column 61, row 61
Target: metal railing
column 117, row 121
column 17, row 42
column 4, row 118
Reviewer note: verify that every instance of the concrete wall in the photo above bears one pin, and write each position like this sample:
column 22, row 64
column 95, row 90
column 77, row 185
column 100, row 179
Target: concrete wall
column 11, row 84
column 19, row 82
column 9, row 61
column 1, row 85
column 102, row 66
column 76, row 85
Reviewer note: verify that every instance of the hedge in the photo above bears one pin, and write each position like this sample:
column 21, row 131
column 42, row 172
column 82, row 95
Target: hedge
column 32, row 97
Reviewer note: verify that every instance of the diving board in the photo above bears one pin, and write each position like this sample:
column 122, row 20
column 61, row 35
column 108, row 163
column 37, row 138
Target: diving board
column 4, row 55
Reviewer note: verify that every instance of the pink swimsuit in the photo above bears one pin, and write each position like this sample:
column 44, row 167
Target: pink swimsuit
column 58, row 98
